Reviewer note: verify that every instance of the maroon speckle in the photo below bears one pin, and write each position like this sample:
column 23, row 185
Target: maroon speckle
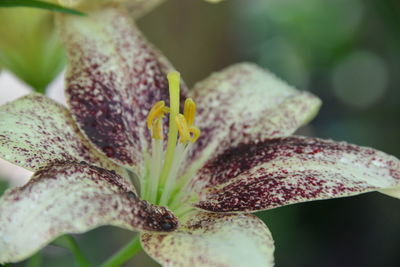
column 47, row 133
column 110, row 93
column 109, row 151
column 282, row 171
column 99, row 197
column 242, row 113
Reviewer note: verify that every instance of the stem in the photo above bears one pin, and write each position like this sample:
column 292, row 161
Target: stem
column 390, row 16
column 41, row 89
column 35, row 260
column 126, row 253
column 69, row 242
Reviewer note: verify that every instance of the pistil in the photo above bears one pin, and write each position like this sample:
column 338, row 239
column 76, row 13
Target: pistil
column 174, row 88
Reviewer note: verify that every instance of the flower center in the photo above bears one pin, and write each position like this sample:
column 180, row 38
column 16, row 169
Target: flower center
column 161, row 180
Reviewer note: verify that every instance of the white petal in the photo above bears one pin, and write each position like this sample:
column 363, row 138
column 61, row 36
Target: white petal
column 245, row 103
column 71, row 198
column 290, row 170
column 207, row 239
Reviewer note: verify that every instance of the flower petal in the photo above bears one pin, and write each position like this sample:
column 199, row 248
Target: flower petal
column 245, row 103
column 35, row 130
column 207, row 239
column 71, row 198
column 137, row 8
column 393, row 192
column 113, row 80
column 279, row 172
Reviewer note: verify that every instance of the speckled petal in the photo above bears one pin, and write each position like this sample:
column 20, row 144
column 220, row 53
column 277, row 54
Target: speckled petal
column 138, row 8
column 35, row 130
column 279, row 172
column 113, row 79
column 207, row 239
column 71, row 198
column 245, row 103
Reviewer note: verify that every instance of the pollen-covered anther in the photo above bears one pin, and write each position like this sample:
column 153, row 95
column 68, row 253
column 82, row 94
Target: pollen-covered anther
column 189, row 111
column 183, row 128
column 186, row 133
column 194, row 133
column 157, row 112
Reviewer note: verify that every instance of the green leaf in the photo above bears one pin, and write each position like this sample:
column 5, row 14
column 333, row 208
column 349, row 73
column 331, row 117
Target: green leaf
column 3, row 187
column 68, row 242
column 36, row 260
column 39, row 4
column 123, row 255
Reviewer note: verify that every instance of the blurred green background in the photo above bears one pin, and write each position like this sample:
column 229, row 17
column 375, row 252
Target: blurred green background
column 345, row 51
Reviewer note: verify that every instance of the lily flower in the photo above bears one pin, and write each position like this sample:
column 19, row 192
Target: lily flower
column 202, row 160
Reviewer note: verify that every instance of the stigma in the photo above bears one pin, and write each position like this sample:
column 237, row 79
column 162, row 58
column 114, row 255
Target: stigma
column 161, row 180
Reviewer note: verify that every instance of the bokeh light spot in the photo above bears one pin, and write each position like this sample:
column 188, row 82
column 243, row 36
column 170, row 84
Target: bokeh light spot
column 360, row 79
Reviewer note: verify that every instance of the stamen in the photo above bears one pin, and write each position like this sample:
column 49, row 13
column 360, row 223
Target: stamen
column 157, row 111
column 164, row 169
column 173, row 173
column 155, row 169
column 189, row 111
column 195, row 133
column 186, row 133
column 157, row 129
column 182, row 128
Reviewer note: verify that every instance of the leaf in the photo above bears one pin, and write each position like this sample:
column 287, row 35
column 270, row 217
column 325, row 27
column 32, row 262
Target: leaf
column 39, row 4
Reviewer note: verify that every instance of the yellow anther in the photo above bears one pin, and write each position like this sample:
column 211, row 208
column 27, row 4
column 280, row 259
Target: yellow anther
column 157, row 129
column 195, row 133
column 157, row 111
column 183, row 128
column 186, row 133
column 189, row 111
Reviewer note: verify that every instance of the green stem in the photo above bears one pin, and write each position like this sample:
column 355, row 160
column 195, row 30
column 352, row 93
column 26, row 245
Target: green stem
column 35, row 260
column 40, row 89
column 39, row 4
column 389, row 13
column 69, row 242
column 126, row 253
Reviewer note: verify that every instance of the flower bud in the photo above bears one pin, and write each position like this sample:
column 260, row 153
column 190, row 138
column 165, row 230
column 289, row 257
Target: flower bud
column 29, row 45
